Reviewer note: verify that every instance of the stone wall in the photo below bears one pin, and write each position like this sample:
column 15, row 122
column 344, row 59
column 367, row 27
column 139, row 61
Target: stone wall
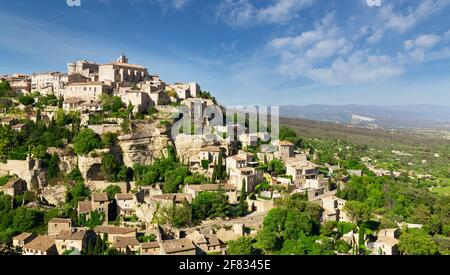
column 105, row 128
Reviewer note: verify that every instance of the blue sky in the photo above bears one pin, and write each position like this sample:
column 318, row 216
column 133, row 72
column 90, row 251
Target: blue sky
column 275, row 52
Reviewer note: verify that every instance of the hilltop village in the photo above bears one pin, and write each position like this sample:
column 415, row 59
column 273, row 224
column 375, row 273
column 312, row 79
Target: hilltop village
column 89, row 167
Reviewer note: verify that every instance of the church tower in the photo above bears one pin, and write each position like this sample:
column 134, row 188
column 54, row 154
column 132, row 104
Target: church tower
column 123, row 59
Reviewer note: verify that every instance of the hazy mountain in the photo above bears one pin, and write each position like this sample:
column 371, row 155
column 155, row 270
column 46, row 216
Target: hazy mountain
column 381, row 116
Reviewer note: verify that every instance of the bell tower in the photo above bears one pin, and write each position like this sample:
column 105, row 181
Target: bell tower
column 123, row 59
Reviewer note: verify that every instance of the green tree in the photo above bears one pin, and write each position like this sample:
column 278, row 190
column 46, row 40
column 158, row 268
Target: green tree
column 358, row 211
column 53, row 167
column 112, row 190
column 241, row 246
column 26, row 100
column 109, row 167
column 417, row 242
column 210, row 205
column 109, row 139
column 243, row 205
column 5, row 88
column 86, row 141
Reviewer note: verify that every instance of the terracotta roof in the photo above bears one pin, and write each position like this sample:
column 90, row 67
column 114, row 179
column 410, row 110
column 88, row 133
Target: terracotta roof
column 58, row 220
column 113, row 230
column 123, row 196
column 69, row 235
column 150, row 245
column 84, row 207
column 42, row 243
column 99, row 197
column 123, row 242
column 22, row 237
column 179, row 245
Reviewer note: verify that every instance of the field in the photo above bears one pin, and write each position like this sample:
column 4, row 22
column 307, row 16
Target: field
column 409, row 151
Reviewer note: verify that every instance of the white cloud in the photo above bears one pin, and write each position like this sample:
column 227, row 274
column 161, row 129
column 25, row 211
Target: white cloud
column 395, row 19
column 243, row 13
column 404, row 22
column 359, row 67
column 326, row 55
column 425, row 41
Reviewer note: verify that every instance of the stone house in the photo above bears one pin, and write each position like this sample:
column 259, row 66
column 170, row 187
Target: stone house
column 207, row 243
column 88, row 92
column 99, row 202
column 301, row 170
column 229, row 189
column 240, row 169
column 56, row 225
column 285, row 150
column 150, row 248
column 127, row 245
column 126, row 204
column 41, row 245
column 114, row 232
column 183, row 247
column 333, row 209
column 387, row 242
column 22, row 239
column 71, row 239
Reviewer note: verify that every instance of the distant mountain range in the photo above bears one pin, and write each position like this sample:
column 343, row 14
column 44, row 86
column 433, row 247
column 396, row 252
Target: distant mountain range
column 406, row 116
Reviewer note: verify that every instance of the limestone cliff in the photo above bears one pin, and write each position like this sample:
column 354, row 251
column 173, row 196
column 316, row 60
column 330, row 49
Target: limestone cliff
column 146, row 144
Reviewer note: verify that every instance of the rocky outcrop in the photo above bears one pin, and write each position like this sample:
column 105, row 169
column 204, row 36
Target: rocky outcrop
column 188, row 147
column 145, row 145
column 67, row 159
column 54, row 195
column 90, row 165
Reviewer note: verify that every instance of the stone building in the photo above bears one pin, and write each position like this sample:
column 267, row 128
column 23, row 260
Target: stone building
column 56, row 225
column 99, row 202
column 71, row 239
column 22, row 239
column 87, row 91
column 41, row 245
column 123, row 73
column 48, row 83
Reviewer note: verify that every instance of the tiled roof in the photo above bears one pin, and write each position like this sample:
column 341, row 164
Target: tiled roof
column 69, row 235
column 150, row 245
column 179, row 245
column 58, row 220
column 114, row 230
column 123, row 242
column 23, row 236
column 42, row 243
column 99, row 197
column 84, row 207
column 123, row 196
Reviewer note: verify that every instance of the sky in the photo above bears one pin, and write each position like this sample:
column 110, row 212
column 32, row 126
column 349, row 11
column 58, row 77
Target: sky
column 246, row 52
